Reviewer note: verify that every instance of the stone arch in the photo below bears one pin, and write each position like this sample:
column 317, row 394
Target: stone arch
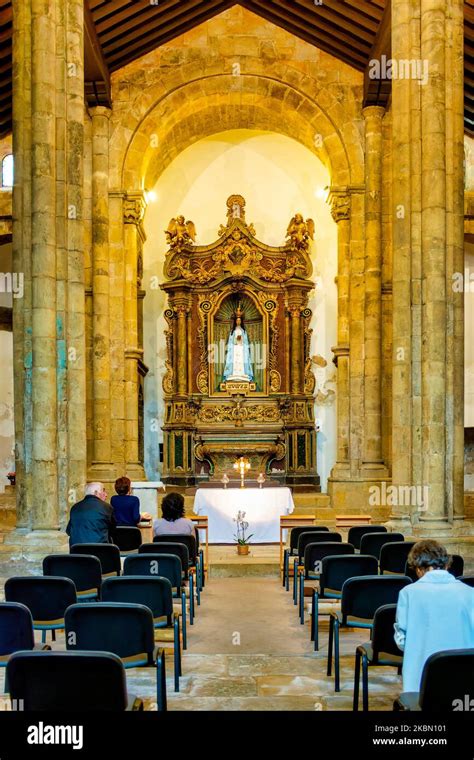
column 202, row 107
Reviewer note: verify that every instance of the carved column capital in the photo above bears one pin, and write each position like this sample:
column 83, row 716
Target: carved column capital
column 134, row 206
column 340, row 203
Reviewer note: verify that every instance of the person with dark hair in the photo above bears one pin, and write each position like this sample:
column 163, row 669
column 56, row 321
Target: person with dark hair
column 434, row 613
column 126, row 506
column 173, row 520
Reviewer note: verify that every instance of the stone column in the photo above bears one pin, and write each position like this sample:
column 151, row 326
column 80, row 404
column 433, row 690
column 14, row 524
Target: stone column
column 48, row 105
column 102, row 467
column 339, row 201
column 372, row 455
column 428, row 224
column 133, row 210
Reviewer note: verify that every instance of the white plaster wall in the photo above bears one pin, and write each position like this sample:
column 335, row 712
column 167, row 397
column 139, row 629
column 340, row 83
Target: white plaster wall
column 278, row 177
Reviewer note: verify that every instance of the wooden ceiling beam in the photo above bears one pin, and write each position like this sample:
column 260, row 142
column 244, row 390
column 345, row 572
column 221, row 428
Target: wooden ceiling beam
column 375, row 93
column 353, row 56
column 96, row 71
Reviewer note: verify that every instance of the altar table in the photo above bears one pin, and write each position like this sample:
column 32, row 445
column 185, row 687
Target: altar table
column 263, row 508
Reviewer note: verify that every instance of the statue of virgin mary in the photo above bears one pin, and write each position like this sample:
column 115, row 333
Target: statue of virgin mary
column 237, row 364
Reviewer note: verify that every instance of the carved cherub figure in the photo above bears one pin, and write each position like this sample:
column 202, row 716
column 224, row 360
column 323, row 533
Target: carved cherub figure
column 300, row 231
column 180, row 232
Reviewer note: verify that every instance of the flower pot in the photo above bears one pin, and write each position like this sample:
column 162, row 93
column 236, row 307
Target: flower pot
column 243, row 549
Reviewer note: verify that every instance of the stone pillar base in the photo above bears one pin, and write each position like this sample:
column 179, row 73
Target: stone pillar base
column 23, row 550
column 135, row 471
column 355, row 497
column 102, row 472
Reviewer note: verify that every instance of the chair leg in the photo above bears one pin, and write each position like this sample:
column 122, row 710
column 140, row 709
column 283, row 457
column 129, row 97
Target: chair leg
column 336, row 655
column 183, row 616
column 198, row 590
column 331, row 637
column 161, row 682
column 286, row 575
column 301, row 595
column 315, row 623
column 355, row 701
column 6, row 687
column 295, row 566
column 177, row 655
column 191, row 600
column 53, row 634
column 43, row 636
column 365, row 683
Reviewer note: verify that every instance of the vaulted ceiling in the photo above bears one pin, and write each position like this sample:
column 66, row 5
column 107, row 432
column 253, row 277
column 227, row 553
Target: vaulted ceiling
column 119, row 31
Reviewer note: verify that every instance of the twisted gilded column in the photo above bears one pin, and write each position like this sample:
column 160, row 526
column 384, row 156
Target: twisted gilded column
column 296, row 365
column 181, row 309
column 133, row 212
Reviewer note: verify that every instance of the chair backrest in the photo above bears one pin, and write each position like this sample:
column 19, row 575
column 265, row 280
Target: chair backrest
column 107, row 554
column 16, row 628
column 47, row 598
column 456, row 568
column 357, row 531
column 362, row 596
column 393, row 556
column 315, row 537
column 154, row 593
column 315, row 553
column 179, row 550
column 127, row 537
column 127, row 630
column 336, row 570
column 180, row 538
column 446, row 681
column 156, row 565
column 372, row 543
column 68, row 681
column 296, row 533
column 83, row 569
column 467, row 579
column 382, row 632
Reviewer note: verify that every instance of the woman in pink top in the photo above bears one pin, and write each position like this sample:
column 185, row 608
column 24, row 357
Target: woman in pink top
column 173, row 520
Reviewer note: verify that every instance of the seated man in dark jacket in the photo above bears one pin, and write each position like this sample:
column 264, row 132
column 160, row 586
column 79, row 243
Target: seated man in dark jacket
column 91, row 520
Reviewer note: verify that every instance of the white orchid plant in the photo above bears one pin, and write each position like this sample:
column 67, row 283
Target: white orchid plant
column 242, row 526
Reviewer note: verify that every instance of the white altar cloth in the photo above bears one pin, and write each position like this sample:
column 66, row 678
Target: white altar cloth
column 262, row 506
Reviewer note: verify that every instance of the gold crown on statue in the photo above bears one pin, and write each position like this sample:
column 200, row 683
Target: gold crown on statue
column 239, row 312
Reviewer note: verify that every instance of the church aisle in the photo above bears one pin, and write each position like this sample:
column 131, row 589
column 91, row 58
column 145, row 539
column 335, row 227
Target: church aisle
column 247, row 651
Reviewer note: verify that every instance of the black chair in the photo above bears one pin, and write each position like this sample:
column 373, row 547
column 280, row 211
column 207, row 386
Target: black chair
column 70, row 682
column 446, row 680
column 335, row 571
column 181, row 551
column 164, row 566
column 127, row 537
column 47, row 599
column 16, row 633
column 360, row 598
column 195, row 556
column 456, row 568
column 380, row 650
column 311, row 568
column 310, row 537
column 126, row 630
column 467, row 579
column 83, row 569
column 393, row 557
column 107, row 554
column 157, row 595
column 371, row 543
column 295, row 533
column 357, row 531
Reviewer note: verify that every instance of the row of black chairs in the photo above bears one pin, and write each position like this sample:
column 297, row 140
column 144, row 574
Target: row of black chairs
column 96, row 635
column 367, row 599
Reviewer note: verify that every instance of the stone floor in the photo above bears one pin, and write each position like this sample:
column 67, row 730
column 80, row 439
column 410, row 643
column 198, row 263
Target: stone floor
column 247, row 651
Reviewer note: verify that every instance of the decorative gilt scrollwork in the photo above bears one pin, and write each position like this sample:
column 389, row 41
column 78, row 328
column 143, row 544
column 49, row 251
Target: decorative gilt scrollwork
column 168, row 378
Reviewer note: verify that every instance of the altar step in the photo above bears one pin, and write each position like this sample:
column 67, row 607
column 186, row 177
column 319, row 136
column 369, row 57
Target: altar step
column 263, row 561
